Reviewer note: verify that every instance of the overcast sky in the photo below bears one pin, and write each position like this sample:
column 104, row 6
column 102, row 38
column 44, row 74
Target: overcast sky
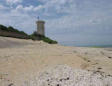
column 73, row 22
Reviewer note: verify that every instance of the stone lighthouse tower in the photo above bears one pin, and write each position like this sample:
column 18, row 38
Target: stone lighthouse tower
column 40, row 27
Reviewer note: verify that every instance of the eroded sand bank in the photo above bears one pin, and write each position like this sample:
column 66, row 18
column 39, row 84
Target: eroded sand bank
column 22, row 60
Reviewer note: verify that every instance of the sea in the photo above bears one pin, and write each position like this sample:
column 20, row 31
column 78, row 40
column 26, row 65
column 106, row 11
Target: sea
column 85, row 45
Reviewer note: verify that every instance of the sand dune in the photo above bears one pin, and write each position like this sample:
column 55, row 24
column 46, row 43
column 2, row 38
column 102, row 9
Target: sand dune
column 12, row 42
column 22, row 60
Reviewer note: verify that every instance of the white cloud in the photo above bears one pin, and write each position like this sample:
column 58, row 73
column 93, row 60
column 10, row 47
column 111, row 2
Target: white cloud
column 3, row 7
column 38, row 8
column 30, row 8
column 19, row 7
column 59, row 6
column 52, row 7
column 13, row 1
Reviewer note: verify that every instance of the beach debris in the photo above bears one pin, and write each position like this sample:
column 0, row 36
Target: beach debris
column 63, row 75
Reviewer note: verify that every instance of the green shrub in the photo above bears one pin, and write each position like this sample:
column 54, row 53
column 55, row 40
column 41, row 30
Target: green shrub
column 3, row 28
column 40, row 37
column 11, row 29
column 48, row 40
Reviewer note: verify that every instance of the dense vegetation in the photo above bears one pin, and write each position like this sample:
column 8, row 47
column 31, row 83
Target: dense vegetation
column 11, row 29
column 33, row 36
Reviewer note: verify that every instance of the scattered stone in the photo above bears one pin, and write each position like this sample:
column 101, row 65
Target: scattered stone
column 99, row 68
column 58, row 85
column 47, row 79
column 63, row 75
column 61, row 80
column 11, row 84
column 86, row 53
column 110, row 57
column 109, row 75
column 67, row 78
column 89, row 61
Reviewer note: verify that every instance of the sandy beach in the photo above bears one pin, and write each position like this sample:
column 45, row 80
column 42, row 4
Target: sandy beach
column 21, row 60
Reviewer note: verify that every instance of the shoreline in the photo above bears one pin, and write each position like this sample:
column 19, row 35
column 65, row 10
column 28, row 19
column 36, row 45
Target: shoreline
column 90, row 46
